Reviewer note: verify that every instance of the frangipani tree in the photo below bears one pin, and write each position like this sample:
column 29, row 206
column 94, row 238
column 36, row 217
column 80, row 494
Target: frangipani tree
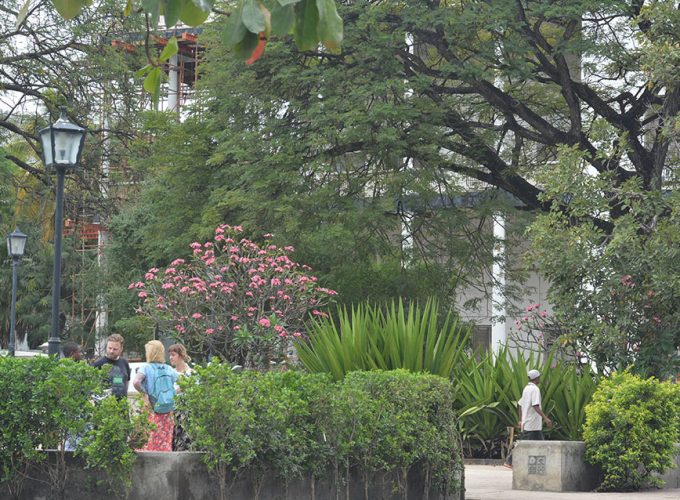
column 234, row 298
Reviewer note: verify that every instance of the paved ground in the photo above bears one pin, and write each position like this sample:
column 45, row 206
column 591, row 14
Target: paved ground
column 489, row 482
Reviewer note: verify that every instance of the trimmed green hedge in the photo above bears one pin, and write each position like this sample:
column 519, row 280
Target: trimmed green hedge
column 632, row 427
column 45, row 401
column 294, row 423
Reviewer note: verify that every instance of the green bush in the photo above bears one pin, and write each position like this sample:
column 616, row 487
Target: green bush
column 370, row 337
column 631, row 429
column 45, row 401
column 292, row 424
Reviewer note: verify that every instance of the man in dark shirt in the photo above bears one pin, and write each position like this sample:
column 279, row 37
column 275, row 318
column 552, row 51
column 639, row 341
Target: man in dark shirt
column 119, row 369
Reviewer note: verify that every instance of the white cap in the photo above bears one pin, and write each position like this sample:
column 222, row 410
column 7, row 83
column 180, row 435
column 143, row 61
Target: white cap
column 533, row 374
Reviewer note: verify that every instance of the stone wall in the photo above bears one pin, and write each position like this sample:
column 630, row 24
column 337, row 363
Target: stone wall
column 561, row 466
column 183, row 476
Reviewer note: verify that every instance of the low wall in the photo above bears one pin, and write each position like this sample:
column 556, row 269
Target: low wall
column 561, row 466
column 552, row 466
column 183, row 476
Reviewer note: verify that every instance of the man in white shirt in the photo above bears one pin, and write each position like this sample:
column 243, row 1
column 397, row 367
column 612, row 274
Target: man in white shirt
column 531, row 416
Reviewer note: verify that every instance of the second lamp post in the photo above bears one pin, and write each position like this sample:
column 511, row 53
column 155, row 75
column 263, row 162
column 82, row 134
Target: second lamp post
column 16, row 244
column 62, row 145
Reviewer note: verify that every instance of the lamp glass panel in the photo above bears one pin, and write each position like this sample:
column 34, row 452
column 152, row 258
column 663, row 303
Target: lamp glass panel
column 66, row 147
column 16, row 245
column 46, row 140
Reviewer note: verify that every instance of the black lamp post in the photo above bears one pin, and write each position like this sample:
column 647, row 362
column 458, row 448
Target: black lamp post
column 16, row 244
column 62, row 145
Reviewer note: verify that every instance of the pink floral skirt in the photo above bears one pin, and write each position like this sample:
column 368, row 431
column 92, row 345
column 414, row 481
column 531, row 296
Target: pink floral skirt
column 161, row 438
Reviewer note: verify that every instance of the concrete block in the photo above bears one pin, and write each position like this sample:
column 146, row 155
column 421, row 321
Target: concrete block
column 552, row 466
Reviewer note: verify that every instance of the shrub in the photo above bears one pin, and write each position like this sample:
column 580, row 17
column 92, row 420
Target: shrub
column 254, row 420
column 292, row 423
column 45, row 401
column 110, row 441
column 233, row 299
column 631, row 429
column 369, row 337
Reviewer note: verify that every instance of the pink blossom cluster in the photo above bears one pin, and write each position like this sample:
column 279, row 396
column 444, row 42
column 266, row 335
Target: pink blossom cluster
column 234, row 297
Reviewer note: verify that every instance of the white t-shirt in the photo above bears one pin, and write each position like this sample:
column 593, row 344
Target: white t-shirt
column 531, row 420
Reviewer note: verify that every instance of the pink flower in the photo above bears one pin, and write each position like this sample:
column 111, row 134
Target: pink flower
column 265, row 322
column 195, row 245
column 219, row 230
column 297, row 334
column 197, row 315
column 210, row 331
column 234, row 318
column 170, row 270
column 167, row 286
column 176, row 262
column 627, row 280
column 543, row 314
column 142, row 294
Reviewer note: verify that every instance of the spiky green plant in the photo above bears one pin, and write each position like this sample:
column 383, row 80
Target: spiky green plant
column 369, row 337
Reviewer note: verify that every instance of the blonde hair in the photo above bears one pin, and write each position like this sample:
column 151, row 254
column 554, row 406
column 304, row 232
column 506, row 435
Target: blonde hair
column 181, row 351
column 155, row 352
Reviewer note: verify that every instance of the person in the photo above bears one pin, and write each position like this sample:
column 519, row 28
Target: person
column 179, row 359
column 531, row 416
column 119, row 371
column 72, row 350
column 156, row 382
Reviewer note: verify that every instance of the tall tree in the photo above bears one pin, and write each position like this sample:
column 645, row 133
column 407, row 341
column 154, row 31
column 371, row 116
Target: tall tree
column 570, row 107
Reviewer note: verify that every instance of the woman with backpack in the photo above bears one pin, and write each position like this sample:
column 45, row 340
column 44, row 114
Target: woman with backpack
column 156, row 382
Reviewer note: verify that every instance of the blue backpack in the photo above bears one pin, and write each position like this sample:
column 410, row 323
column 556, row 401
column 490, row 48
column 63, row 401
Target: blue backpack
column 161, row 389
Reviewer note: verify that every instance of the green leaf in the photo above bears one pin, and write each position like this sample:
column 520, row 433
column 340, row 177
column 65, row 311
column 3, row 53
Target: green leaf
column 282, row 20
column 152, row 83
column 68, row 9
column 234, row 30
column 284, row 3
column 128, row 8
column 171, row 10
column 169, row 50
column 306, row 22
column 253, row 17
column 23, row 12
column 143, row 71
column 192, row 14
column 330, row 24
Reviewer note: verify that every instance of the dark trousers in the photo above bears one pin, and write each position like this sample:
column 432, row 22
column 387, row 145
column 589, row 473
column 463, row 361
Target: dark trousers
column 527, row 436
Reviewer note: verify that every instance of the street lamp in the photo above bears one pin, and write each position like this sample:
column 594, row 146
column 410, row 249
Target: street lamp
column 16, row 244
column 62, row 145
